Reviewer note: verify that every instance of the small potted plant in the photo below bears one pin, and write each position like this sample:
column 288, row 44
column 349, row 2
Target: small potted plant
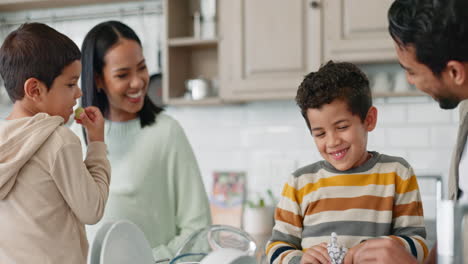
column 258, row 217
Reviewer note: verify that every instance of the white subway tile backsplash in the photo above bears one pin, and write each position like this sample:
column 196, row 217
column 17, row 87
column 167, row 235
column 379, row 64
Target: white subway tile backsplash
column 303, row 157
column 391, row 114
column 210, row 161
column 226, row 116
column 428, row 113
column 408, row 137
column 274, row 113
column 214, row 138
column 275, row 136
column 444, row 136
column 433, row 160
column 268, row 169
column 376, row 139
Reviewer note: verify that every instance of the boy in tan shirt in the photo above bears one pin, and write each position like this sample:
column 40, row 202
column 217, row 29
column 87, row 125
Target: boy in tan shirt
column 47, row 192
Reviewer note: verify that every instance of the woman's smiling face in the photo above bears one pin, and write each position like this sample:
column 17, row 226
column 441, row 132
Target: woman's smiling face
column 125, row 80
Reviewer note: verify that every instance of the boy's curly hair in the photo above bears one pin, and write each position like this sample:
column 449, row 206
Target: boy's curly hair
column 332, row 81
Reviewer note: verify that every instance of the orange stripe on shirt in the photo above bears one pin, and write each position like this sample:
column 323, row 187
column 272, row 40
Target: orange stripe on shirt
column 423, row 245
column 340, row 204
column 412, row 209
column 288, row 217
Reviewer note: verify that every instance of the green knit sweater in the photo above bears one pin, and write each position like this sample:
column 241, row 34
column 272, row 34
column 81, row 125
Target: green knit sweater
column 156, row 182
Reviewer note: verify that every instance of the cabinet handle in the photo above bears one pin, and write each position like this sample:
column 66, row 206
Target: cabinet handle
column 314, row 4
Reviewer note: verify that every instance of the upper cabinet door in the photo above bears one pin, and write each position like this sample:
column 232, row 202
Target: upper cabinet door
column 357, row 31
column 267, row 46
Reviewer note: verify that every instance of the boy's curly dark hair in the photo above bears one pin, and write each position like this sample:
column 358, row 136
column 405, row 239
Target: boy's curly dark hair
column 332, row 81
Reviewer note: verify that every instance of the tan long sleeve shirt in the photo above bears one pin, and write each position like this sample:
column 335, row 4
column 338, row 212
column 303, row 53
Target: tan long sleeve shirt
column 47, row 192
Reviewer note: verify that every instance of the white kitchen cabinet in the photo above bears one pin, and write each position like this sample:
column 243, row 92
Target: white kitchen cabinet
column 357, row 31
column 267, row 47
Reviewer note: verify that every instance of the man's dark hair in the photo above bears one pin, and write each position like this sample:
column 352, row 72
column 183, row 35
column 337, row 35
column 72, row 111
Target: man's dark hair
column 333, row 81
column 34, row 50
column 437, row 29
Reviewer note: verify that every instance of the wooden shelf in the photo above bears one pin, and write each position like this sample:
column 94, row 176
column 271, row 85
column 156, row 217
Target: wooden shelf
column 17, row 5
column 187, row 102
column 186, row 57
column 190, row 41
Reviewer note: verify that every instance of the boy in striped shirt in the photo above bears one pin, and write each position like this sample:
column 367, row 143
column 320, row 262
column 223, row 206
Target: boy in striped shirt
column 358, row 194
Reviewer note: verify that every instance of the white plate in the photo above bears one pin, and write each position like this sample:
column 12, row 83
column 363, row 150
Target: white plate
column 125, row 243
column 96, row 245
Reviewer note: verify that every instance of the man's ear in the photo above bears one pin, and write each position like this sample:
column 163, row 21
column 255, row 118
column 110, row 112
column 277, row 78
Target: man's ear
column 457, row 72
column 34, row 89
column 371, row 119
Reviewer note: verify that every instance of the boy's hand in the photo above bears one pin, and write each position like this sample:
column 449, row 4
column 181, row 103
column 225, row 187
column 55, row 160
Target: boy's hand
column 317, row 254
column 93, row 121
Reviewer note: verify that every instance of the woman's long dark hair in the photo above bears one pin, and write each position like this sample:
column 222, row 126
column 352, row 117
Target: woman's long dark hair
column 97, row 42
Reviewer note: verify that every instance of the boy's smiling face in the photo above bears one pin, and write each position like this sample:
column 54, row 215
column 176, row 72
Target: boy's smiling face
column 340, row 136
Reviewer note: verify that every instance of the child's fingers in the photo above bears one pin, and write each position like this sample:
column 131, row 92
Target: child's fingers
column 91, row 116
column 313, row 256
column 324, row 252
column 86, row 121
column 92, row 109
column 93, row 112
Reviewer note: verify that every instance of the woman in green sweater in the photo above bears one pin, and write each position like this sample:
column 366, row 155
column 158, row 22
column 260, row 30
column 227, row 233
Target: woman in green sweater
column 156, row 182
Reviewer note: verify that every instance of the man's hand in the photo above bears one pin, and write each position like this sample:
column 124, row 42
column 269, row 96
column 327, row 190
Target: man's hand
column 317, row 254
column 381, row 250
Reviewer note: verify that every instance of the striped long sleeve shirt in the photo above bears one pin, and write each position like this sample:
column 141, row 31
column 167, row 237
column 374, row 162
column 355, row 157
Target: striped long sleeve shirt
column 377, row 199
